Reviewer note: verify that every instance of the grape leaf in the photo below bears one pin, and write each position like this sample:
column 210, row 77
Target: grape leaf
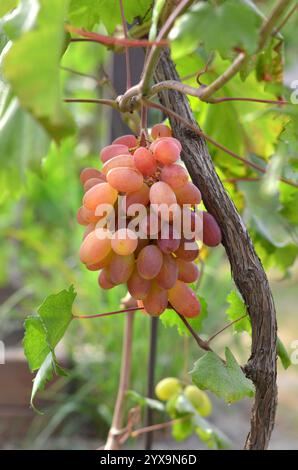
column 236, row 310
column 42, row 334
column 35, row 80
column 227, row 381
column 235, row 22
column 87, row 13
column 283, row 354
column 17, row 125
column 170, row 319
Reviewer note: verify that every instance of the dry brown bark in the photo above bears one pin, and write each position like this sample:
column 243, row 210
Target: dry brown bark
column 247, row 270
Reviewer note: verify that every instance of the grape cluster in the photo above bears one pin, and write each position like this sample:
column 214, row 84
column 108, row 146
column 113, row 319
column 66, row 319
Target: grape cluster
column 156, row 269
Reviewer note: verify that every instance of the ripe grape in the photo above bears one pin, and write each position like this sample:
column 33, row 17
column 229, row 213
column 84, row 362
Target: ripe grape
column 168, row 274
column 166, row 151
column 156, row 300
column 188, row 271
column 129, row 140
column 89, row 229
column 144, row 161
column 137, row 286
column 149, row 262
column 141, row 196
column 124, row 241
column 104, row 280
column 92, row 182
column 162, row 193
column 100, row 264
column 102, row 193
column 183, row 299
column 160, row 130
column 95, row 247
column 126, row 180
column 150, row 226
column 121, row 268
column 112, row 151
column 174, row 175
column 171, row 242
column 118, row 161
column 172, row 140
column 88, row 173
column 142, row 242
column 85, row 216
column 188, row 250
column 211, row 230
column 188, row 193
column 167, row 388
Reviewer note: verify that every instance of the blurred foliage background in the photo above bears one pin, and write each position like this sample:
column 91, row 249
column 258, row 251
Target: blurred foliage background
column 43, row 147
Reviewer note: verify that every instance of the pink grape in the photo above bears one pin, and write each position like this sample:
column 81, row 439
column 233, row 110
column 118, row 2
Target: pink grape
column 166, row 151
column 168, row 274
column 174, row 175
column 95, row 248
column 184, row 300
column 137, row 286
column 144, row 161
column 121, row 268
column 156, row 300
column 118, row 161
column 160, row 130
column 88, row 173
column 149, row 262
column 112, row 151
column 188, row 271
column 211, row 230
column 124, row 241
column 188, row 193
column 126, row 180
column 129, row 140
column 102, row 193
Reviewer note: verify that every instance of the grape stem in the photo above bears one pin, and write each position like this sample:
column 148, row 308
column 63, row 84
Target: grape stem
column 113, row 441
column 225, row 327
column 203, row 344
column 106, row 314
column 127, row 57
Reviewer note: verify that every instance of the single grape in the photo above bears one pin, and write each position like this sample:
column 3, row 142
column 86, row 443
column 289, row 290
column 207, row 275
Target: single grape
column 162, row 193
column 92, row 182
column 124, row 241
column 102, row 193
column 168, row 274
column 150, row 226
column 104, row 280
column 95, row 247
column 137, row 197
column 211, row 230
column 126, row 180
column 188, row 194
column 104, row 263
column 188, row 271
column 160, row 130
column 112, row 151
column 88, row 173
column 129, row 140
column 188, row 250
column 85, row 216
column 174, row 175
column 156, row 300
column 171, row 242
column 172, row 140
column 199, row 400
column 144, row 161
column 149, row 262
column 137, row 286
column 121, row 268
column 183, row 299
column 118, row 161
column 166, row 151
column 167, row 388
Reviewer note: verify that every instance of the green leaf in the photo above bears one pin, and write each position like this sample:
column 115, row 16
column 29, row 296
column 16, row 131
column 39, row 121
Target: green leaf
column 236, row 310
column 56, row 314
column 6, row 6
column 227, row 381
column 17, row 126
column 42, row 334
column 44, row 375
column 283, row 354
column 34, row 78
column 35, row 343
column 170, row 319
column 87, row 13
column 235, row 22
